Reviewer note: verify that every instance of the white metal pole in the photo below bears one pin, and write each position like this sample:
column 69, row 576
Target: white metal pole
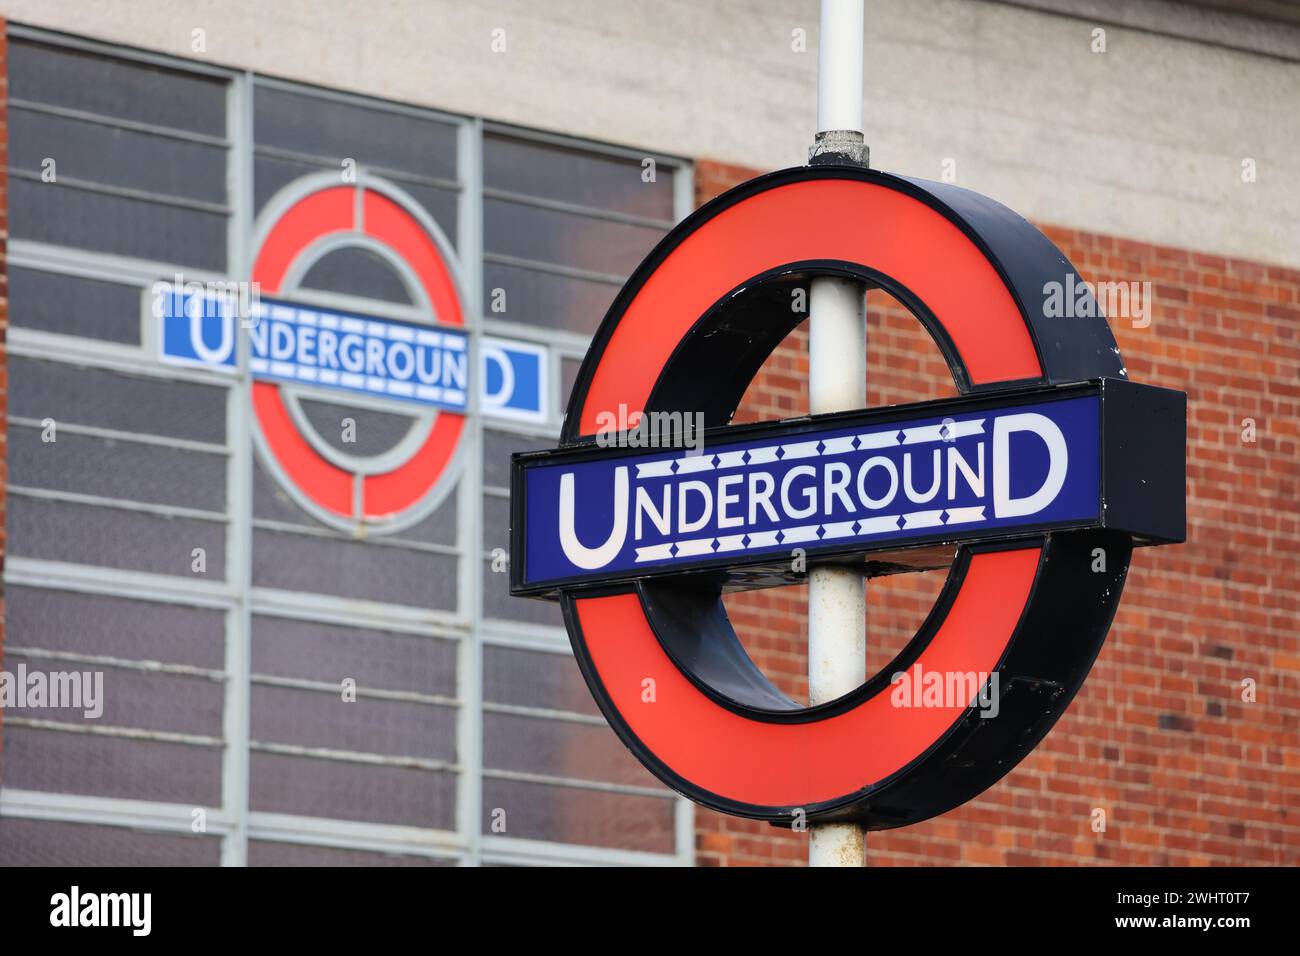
column 839, row 66
column 837, row 381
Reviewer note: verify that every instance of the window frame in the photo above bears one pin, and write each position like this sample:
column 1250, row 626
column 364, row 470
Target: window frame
column 233, row 823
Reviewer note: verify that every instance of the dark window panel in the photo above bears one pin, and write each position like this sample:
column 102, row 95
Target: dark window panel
column 117, row 88
column 498, row 603
column 117, row 157
column 72, row 305
column 535, row 679
column 559, row 748
column 498, row 446
column 53, row 761
column 168, row 702
column 565, row 238
column 574, row 176
column 547, row 300
column 357, row 271
column 438, row 528
column 113, row 538
column 111, row 468
column 272, row 503
column 568, row 379
column 496, row 523
column 84, row 219
column 315, row 718
column 353, row 569
column 265, row 853
column 114, row 626
column 375, row 431
column 336, row 130
column 55, row 843
column 273, row 173
column 74, row 394
column 313, row 787
column 387, row 660
column 535, row 811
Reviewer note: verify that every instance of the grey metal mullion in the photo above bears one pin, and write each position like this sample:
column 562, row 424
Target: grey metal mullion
column 576, row 209
column 515, row 635
column 326, row 609
column 148, row 815
column 498, row 128
column 236, row 715
column 360, row 99
column 545, row 713
column 361, row 757
column 117, row 504
column 578, row 783
column 355, row 835
column 105, row 266
column 116, row 582
column 374, row 693
column 403, row 544
column 559, row 401
column 573, row 344
column 342, row 302
column 115, row 663
column 469, row 728
column 113, row 730
column 38, row 263
column 333, row 162
column 114, row 434
column 48, row 347
column 125, row 192
column 133, row 126
column 522, row 852
column 18, row 31
column 551, row 268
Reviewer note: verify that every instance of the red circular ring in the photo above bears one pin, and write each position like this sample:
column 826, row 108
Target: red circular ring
column 329, row 211
column 715, row 750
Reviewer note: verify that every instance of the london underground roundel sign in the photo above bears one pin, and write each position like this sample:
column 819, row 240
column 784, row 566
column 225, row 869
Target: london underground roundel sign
column 421, row 368
column 1044, row 474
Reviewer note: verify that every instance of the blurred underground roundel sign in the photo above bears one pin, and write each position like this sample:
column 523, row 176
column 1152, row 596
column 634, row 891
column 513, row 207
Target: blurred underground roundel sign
column 1033, row 486
column 402, row 385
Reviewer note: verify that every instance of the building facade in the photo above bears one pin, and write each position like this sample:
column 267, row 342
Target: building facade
column 324, row 666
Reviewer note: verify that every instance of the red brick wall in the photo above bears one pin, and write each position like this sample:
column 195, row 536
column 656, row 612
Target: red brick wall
column 1159, row 736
